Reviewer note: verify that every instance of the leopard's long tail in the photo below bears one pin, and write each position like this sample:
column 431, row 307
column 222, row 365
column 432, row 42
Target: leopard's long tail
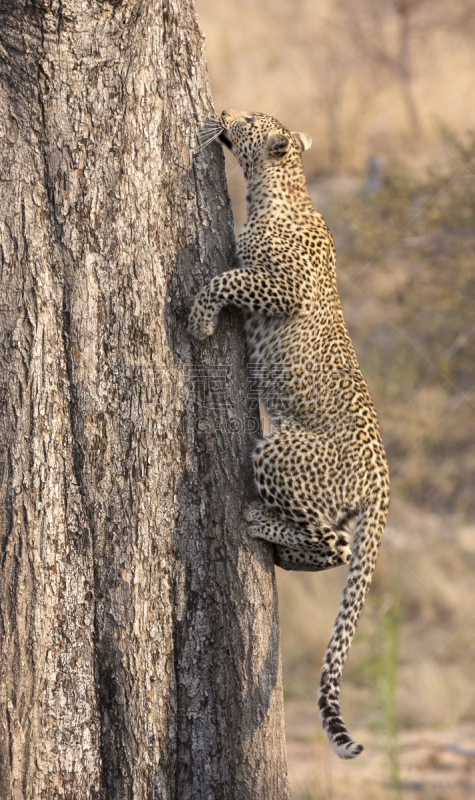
column 367, row 539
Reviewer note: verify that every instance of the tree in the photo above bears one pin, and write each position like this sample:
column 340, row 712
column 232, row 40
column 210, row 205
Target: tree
column 140, row 643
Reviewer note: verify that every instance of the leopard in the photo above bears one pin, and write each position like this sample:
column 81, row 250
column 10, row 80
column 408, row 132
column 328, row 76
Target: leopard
column 321, row 471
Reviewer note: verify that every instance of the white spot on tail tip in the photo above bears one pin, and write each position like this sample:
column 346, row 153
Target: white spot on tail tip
column 348, row 750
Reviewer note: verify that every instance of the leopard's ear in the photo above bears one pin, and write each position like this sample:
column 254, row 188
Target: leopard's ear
column 304, row 141
column 277, row 144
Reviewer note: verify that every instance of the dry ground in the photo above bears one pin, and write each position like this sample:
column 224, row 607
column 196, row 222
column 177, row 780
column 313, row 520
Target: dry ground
column 434, row 764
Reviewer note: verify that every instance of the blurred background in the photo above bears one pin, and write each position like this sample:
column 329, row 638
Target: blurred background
column 387, row 92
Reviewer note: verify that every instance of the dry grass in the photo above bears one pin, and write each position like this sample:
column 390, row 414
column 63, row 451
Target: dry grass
column 436, row 765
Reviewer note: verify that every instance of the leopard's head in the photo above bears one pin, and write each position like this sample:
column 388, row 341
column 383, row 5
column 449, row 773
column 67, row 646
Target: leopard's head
column 258, row 140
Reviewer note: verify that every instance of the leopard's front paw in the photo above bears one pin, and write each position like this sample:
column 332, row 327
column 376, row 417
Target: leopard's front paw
column 255, row 514
column 201, row 322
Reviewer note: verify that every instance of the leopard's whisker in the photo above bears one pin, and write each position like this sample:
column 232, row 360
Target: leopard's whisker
column 205, row 144
column 210, row 132
column 208, row 141
column 208, row 129
column 212, row 125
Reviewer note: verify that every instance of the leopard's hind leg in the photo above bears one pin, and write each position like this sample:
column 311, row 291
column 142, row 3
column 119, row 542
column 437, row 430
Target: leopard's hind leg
column 304, row 513
column 298, row 548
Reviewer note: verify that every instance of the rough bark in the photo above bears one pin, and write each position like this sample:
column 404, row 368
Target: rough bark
column 140, row 644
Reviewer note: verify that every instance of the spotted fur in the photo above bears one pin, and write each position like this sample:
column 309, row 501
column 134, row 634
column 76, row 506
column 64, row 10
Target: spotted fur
column 321, row 473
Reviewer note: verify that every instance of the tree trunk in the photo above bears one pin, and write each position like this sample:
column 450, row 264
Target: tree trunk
column 140, row 642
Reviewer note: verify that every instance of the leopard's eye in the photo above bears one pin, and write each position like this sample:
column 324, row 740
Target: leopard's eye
column 248, row 119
